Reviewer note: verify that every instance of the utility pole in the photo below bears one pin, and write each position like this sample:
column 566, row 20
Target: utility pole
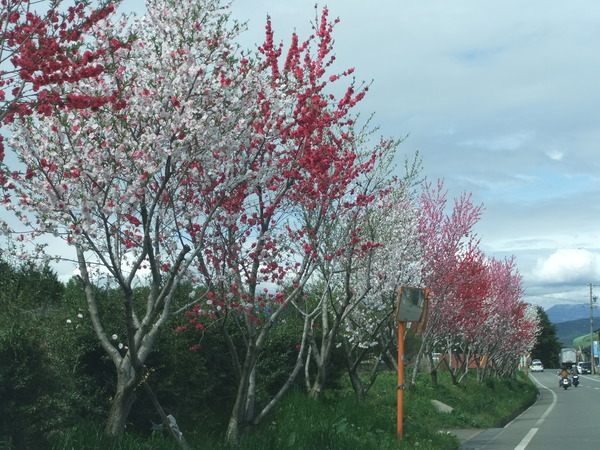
column 592, row 300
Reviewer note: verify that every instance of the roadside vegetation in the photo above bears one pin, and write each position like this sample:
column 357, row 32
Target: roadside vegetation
column 338, row 421
column 548, row 345
column 56, row 387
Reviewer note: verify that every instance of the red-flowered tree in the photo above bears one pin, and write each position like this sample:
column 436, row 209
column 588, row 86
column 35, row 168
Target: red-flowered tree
column 262, row 252
column 466, row 289
column 484, row 315
column 197, row 172
column 134, row 185
column 42, row 45
column 446, row 233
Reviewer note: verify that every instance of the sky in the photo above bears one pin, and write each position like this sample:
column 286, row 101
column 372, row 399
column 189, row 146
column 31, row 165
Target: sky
column 500, row 98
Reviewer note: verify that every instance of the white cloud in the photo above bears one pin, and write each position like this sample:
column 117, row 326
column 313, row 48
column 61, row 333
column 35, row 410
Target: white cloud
column 555, row 155
column 568, row 266
column 512, row 141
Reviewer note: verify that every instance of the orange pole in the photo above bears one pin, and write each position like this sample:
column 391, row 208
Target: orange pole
column 401, row 328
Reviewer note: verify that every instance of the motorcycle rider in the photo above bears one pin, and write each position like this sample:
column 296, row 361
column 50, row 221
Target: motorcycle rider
column 575, row 375
column 564, row 373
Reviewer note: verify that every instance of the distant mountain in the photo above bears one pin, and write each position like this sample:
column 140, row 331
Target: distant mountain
column 566, row 313
column 567, row 331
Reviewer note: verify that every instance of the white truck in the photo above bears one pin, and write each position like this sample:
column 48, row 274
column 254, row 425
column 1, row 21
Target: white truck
column 567, row 358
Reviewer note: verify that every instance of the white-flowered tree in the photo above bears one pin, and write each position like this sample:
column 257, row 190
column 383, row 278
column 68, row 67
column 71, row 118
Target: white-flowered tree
column 133, row 185
column 348, row 245
column 196, row 171
column 371, row 250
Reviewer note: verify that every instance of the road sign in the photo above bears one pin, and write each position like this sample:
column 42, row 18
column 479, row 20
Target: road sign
column 411, row 302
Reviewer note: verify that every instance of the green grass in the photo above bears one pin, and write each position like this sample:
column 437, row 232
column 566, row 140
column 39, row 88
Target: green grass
column 476, row 405
column 90, row 436
column 339, row 421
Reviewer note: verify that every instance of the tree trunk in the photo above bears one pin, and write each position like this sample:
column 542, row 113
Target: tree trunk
column 232, row 435
column 356, row 358
column 127, row 381
column 239, row 419
column 322, row 357
column 171, row 427
column 434, row 377
column 357, row 385
column 423, row 348
column 319, row 382
column 243, row 416
column 119, row 410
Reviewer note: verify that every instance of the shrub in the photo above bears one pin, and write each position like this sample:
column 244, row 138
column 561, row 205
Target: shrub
column 28, row 382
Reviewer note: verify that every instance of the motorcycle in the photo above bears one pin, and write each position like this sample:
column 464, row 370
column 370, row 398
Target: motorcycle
column 575, row 380
column 565, row 383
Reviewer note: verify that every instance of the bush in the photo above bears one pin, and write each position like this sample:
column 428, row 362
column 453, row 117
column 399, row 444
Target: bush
column 28, row 383
column 195, row 386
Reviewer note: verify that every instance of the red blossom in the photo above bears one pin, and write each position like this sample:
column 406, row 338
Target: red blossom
column 44, row 48
column 133, row 220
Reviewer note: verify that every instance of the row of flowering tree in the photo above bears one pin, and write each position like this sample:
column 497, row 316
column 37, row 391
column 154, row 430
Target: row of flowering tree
column 476, row 315
column 181, row 159
column 208, row 165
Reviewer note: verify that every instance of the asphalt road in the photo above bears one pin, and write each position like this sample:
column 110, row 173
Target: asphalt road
column 559, row 419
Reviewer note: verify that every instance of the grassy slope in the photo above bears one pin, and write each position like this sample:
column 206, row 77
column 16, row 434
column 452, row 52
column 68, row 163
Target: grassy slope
column 338, row 421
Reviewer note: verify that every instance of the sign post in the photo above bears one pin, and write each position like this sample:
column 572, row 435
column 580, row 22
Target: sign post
column 401, row 330
column 412, row 307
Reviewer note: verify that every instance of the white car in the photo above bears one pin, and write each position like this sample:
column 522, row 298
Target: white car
column 537, row 366
column 584, row 367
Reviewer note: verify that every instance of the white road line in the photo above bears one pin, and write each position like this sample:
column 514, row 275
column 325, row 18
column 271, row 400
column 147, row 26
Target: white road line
column 590, row 378
column 526, row 439
column 552, row 405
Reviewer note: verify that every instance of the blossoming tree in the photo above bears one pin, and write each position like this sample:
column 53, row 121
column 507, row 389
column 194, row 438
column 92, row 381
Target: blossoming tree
column 349, row 245
column 477, row 315
column 194, row 171
column 368, row 253
column 42, row 45
column 445, row 235
column 260, row 255
column 118, row 182
column 510, row 326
